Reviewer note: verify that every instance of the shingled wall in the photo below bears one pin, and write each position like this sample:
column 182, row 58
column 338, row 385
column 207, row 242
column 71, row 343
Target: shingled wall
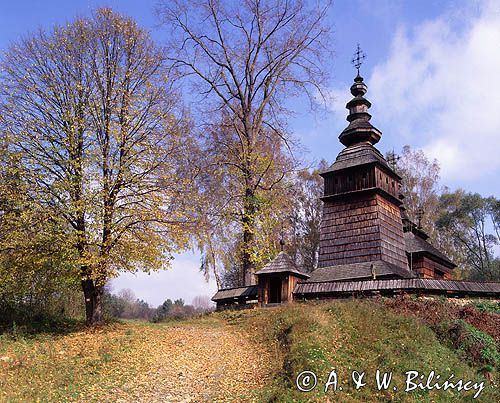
column 361, row 228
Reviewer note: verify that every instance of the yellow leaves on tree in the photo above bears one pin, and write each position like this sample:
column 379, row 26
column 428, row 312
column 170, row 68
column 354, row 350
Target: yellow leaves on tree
column 89, row 112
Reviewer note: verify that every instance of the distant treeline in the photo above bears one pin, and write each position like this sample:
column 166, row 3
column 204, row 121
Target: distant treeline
column 124, row 305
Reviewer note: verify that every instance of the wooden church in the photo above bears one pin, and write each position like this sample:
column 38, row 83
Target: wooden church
column 368, row 245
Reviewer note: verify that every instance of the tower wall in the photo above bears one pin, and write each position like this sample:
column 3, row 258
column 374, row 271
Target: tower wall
column 391, row 232
column 361, row 228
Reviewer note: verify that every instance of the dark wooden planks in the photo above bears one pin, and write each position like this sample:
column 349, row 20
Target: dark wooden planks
column 361, row 228
column 431, row 286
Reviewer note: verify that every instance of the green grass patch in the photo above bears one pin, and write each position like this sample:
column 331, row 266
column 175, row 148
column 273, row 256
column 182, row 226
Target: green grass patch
column 361, row 335
column 488, row 306
column 474, row 345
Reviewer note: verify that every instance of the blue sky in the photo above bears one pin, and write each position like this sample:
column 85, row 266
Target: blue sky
column 432, row 73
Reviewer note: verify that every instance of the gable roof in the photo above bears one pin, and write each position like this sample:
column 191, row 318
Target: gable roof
column 357, row 271
column 238, row 292
column 282, row 264
column 415, row 244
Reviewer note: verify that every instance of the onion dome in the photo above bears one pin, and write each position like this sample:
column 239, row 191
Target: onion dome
column 360, row 129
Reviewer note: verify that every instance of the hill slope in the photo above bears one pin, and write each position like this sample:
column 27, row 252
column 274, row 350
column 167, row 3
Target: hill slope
column 363, row 336
column 252, row 355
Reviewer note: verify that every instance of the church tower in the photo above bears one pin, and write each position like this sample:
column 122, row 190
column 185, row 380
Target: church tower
column 361, row 229
column 365, row 234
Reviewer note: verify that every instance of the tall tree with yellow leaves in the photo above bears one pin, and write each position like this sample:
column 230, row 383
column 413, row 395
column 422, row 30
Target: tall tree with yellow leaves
column 90, row 109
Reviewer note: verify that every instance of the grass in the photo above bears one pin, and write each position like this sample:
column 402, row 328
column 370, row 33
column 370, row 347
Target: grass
column 363, row 336
column 58, row 367
column 473, row 344
column 488, row 306
column 76, row 363
column 53, row 326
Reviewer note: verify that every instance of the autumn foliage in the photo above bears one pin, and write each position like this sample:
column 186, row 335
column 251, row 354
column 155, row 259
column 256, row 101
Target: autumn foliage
column 89, row 115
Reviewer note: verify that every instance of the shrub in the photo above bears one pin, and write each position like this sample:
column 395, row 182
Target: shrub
column 475, row 345
column 488, row 306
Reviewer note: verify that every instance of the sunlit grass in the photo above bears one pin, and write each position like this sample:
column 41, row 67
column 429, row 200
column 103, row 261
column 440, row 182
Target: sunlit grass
column 114, row 362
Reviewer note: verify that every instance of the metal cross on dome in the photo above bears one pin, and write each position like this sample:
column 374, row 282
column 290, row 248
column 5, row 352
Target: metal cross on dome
column 359, row 57
column 392, row 159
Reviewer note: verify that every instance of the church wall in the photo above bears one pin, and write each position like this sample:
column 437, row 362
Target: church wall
column 361, row 228
column 263, row 290
column 288, row 283
column 292, row 282
column 419, row 267
column 350, row 180
column 284, row 289
column 386, row 182
column 427, row 268
column 349, row 231
column 391, row 229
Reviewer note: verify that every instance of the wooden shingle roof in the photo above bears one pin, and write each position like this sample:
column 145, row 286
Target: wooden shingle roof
column 248, row 292
column 415, row 244
column 333, row 288
column 358, row 154
column 282, row 264
column 358, row 271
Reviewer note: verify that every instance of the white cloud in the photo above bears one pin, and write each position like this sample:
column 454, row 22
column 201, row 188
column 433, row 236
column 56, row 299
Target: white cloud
column 439, row 90
column 337, row 99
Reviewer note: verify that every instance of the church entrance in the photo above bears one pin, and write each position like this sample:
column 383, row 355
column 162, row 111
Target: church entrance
column 274, row 291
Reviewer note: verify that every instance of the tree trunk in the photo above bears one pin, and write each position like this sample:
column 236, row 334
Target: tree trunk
column 247, row 262
column 93, row 302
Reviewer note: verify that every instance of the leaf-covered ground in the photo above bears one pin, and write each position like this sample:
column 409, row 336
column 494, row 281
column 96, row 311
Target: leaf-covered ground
column 135, row 362
column 256, row 355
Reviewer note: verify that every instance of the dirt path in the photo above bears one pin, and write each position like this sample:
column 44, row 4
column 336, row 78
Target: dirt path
column 199, row 361
column 195, row 364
